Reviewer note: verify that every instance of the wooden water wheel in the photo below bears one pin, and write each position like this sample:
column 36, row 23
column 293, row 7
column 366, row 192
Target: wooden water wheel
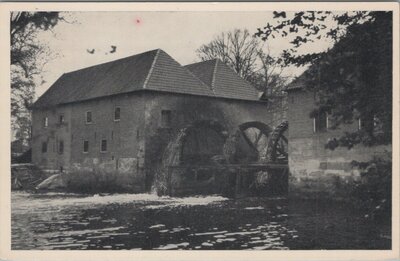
column 278, row 144
column 256, row 135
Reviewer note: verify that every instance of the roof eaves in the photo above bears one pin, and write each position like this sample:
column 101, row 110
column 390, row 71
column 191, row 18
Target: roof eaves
column 294, row 87
column 151, row 69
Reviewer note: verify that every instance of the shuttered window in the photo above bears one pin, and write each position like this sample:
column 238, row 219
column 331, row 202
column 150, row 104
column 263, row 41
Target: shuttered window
column 166, row 119
column 44, row 147
column 117, row 114
column 45, row 122
column 61, row 147
column 103, row 147
column 61, row 119
column 88, row 117
column 85, row 146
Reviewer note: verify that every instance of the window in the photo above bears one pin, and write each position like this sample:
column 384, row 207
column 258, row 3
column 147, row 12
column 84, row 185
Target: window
column 61, row 119
column 85, row 146
column 370, row 124
column 61, row 147
column 103, row 147
column 165, row 119
column 117, row 114
column 88, row 117
column 45, row 122
column 320, row 122
column 44, row 147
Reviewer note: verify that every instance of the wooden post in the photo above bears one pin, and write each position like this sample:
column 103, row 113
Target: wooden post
column 238, row 183
column 169, row 189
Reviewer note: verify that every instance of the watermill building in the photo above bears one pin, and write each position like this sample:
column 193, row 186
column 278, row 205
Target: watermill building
column 123, row 116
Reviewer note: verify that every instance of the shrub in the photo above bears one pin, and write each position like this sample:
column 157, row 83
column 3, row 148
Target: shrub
column 373, row 192
column 98, row 180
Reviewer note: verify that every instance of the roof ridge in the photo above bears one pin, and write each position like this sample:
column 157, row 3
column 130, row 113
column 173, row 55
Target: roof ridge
column 112, row 61
column 205, row 61
column 197, row 78
column 214, row 73
column 151, row 68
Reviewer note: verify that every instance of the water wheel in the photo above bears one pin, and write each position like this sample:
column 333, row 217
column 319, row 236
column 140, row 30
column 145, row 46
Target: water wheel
column 248, row 144
column 278, row 144
column 256, row 136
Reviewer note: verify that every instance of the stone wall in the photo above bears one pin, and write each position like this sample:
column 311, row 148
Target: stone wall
column 314, row 169
column 125, row 138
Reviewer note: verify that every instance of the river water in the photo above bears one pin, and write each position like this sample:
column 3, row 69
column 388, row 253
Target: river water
column 146, row 221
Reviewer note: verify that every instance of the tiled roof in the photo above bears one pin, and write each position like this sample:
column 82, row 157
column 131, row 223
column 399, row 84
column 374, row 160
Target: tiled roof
column 203, row 70
column 119, row 76
column 153, row 70
column 169, row 76
column 223, row 80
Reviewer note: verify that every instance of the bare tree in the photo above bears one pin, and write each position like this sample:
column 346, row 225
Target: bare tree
column 269, row 74
column 238, row 49
column 248, row 56
column 28, row 56
column 251, row 59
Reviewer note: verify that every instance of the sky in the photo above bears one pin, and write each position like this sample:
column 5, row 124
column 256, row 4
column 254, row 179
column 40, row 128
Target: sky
column 177, row 33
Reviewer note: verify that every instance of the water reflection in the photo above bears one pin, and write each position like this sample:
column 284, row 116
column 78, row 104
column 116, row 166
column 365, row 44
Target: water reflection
column 144, row 221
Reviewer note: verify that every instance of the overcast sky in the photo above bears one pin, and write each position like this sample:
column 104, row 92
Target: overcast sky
column 177, row 33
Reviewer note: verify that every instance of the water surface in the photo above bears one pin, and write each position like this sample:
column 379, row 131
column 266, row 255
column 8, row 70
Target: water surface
column 145, row 221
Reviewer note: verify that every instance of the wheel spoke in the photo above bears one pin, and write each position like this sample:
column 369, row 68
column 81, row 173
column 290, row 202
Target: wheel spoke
column 260, row 134
column 251, row 144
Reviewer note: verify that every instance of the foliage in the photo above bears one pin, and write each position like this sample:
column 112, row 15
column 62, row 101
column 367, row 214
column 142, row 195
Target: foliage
column 349, row 139
column 374, row 191
column 352, row 80
column 27, row 61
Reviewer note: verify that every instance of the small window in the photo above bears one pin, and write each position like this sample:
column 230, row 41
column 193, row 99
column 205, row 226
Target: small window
column 165, row 119
column 45, row 122
column 44, row 147
column 321, row 122
column 61, row 119
column 360, row 124
column 61, row 147
column 103, row 147
column 117, row 114
column 85, row 146
column 88, row 117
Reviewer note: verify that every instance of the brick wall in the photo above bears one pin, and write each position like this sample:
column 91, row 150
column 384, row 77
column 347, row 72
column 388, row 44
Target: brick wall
column 125, row 138
column 314, row 169
column 52, row 134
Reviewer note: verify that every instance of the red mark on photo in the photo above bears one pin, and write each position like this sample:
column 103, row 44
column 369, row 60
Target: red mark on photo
column 138, row 21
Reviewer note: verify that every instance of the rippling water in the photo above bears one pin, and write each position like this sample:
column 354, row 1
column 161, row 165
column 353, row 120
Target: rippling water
column 145, row 221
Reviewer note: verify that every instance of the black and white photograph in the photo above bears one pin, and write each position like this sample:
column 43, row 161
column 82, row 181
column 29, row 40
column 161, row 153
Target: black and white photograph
column 177, row 129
